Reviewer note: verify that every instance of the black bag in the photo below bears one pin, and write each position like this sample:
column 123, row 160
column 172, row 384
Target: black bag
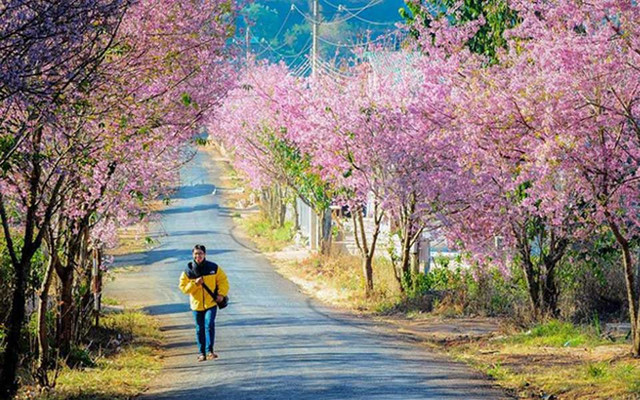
column 225, row 299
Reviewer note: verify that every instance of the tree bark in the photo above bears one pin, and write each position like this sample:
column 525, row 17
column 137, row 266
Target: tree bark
column 550, row 290
column 65, row 319
column 361, row 242
column 367, row 250
column 531, row 274
column 296, row 215
column 367, row 270
column 43, row 341
column 632, row 295
column 326, row 234
column 8, row 385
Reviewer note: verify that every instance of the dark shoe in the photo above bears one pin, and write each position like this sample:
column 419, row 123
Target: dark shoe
column 201, row 357
column 212, row 356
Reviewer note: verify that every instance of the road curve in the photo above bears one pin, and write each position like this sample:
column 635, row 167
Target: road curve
column 273, row 342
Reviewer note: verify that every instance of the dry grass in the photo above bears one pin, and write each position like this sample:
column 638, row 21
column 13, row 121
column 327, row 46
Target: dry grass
column 338, row 280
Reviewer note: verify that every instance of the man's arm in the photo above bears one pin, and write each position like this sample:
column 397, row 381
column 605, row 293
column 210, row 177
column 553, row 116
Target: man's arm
column 222, row 283
column 187, row 286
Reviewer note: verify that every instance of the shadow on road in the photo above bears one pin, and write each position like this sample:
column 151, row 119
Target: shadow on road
column 194, row 233
column 192, row 191
column 186, row 209
column 176, row 327
column 334, row 386
column 164, row 309
column 159, row 255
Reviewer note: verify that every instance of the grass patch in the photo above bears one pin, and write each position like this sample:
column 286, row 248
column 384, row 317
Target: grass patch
column 556, row 358
column 109, row 301
column 124, row 355
column 267, row 237
column 556, row 334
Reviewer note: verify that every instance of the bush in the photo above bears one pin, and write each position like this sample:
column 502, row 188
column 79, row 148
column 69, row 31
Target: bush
column 591, row 281
column 268, row 237
column 467, row 291
column 80, row 357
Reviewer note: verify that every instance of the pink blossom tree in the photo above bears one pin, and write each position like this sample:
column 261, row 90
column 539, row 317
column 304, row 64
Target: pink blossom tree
column 115, row 137
column 578, row 70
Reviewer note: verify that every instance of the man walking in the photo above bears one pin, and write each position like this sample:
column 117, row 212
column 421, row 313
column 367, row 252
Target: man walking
column 207, row 286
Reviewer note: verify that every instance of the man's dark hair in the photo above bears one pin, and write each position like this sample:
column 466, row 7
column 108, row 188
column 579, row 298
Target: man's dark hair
column 200, row 247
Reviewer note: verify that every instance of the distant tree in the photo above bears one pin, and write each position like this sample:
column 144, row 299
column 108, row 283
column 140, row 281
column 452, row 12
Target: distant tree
column 263, row 20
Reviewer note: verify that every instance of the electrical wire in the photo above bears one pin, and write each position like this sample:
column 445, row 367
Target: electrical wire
column 268, row 47
column 358, row 12
column 305, row 48
column 339, row 7
column 286, row 18
column 337, row 21
column 356, row 16
column 351, row 46
column 333, row 71
column 296, row 71
column 275, row 51
column 303, row 69
column 283, row 23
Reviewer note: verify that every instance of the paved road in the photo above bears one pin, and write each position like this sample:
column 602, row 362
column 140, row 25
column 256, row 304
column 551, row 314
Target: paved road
column 273, row 342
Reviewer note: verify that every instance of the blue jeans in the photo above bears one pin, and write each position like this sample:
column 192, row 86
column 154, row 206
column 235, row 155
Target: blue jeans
column 205, row 329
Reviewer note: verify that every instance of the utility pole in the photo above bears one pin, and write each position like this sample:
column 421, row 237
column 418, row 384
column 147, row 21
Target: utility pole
column 314, row 34
column 247, row 39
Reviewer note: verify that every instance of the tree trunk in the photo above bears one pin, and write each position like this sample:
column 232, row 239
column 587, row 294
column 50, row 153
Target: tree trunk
column 8, row 385
column 274, row 206
column 533, row 285
column 43, row 340
column 405, row 263
column 550, row 292
column 367, row 270
column 65, row 319
column 296, row 215
column 361, row 241
column 407, row 239
column 367, row 251
column 81, row 317
column 281, row 206
column 632, row 295
column 326, row 234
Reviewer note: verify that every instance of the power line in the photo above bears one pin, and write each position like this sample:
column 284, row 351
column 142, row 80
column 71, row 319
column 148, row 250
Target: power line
column 305, row 48
column 351, row 46
column 268, row 47
column 357, row 11
column 340, row 7
column 275, row 51
column 302, row 69
column 284, row 23
column 333, row 71
column 356, row 16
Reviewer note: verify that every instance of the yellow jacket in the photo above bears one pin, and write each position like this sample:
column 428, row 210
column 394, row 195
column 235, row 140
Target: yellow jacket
column 213, row 276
